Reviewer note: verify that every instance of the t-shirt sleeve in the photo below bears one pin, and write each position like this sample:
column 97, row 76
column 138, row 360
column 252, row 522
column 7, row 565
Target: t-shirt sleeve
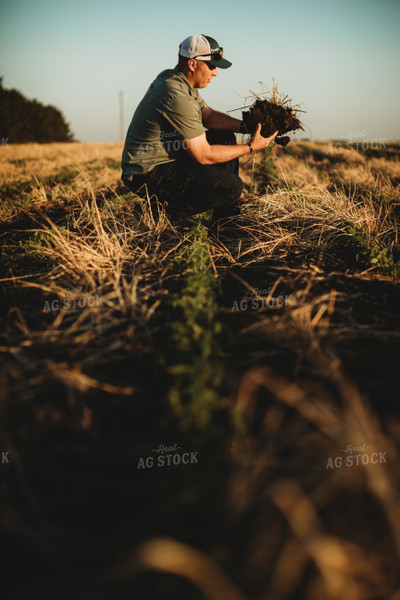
column 184, row 114
column 200, row 101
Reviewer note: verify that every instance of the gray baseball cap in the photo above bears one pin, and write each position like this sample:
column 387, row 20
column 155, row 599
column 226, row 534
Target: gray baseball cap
column 203, row 47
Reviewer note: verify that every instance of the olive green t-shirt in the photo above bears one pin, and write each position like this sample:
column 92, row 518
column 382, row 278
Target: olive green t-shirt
column 169, row 113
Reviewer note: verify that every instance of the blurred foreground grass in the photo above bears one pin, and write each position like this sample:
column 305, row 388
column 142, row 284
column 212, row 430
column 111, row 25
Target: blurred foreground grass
column 120, row 336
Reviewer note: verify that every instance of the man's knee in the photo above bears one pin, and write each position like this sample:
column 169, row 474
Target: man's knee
column 238, row 187
column 219, row 136
column 231, row 185
column 139, row 184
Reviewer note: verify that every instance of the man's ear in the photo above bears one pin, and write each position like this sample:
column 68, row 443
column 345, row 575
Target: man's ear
column 192, row 64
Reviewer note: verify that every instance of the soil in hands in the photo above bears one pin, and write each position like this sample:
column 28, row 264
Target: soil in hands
column 272, row 116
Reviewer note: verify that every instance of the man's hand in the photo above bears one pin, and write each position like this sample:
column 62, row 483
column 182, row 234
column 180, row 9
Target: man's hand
column 258, row 142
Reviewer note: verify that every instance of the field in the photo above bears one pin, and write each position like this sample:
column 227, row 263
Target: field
column 192, row 412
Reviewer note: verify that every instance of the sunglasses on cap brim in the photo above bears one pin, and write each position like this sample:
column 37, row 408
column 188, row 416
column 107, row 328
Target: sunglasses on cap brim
column 215, row 54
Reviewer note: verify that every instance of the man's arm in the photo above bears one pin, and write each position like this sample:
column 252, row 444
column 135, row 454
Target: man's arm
column 209, row 154
column 212, row 119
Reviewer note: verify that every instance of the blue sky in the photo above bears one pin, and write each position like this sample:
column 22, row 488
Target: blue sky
column 339, row 59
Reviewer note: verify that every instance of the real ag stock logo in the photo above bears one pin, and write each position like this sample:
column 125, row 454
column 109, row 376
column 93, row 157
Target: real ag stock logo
column 357, row 141
column 262, row 299
column 73, row 300
column 355, row 456
column 167, row 456
column 5, row 458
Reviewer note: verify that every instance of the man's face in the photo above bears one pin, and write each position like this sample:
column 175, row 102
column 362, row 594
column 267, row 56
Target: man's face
column 204, row 72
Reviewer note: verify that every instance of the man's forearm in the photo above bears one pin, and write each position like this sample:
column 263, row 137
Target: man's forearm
column 218, row 153
column 219, row 120
column 209, row 154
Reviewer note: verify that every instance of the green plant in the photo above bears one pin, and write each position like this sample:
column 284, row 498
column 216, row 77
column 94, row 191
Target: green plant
column 370, row 254
column 193, row 331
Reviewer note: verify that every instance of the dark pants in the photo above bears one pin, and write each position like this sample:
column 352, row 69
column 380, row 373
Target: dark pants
column 186, row 187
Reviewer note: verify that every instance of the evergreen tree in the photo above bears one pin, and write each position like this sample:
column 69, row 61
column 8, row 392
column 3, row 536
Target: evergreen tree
column 23, row 120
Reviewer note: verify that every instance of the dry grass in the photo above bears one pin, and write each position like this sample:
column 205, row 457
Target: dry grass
column 20, row 162
column 309, row 223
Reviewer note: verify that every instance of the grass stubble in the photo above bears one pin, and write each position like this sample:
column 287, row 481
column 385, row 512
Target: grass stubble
column 113, row 369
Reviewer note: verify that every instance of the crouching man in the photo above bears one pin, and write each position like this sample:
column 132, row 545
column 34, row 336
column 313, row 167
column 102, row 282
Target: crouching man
column 168, row 152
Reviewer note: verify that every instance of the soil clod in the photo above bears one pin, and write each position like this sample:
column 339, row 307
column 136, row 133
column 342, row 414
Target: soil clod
column 272, row 117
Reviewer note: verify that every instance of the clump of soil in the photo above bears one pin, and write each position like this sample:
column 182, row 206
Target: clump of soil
column 272, row 116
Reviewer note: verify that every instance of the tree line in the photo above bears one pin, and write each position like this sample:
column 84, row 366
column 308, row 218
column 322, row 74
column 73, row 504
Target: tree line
column 23, row 120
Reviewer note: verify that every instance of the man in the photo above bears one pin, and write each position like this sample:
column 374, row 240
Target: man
column 168, row 152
